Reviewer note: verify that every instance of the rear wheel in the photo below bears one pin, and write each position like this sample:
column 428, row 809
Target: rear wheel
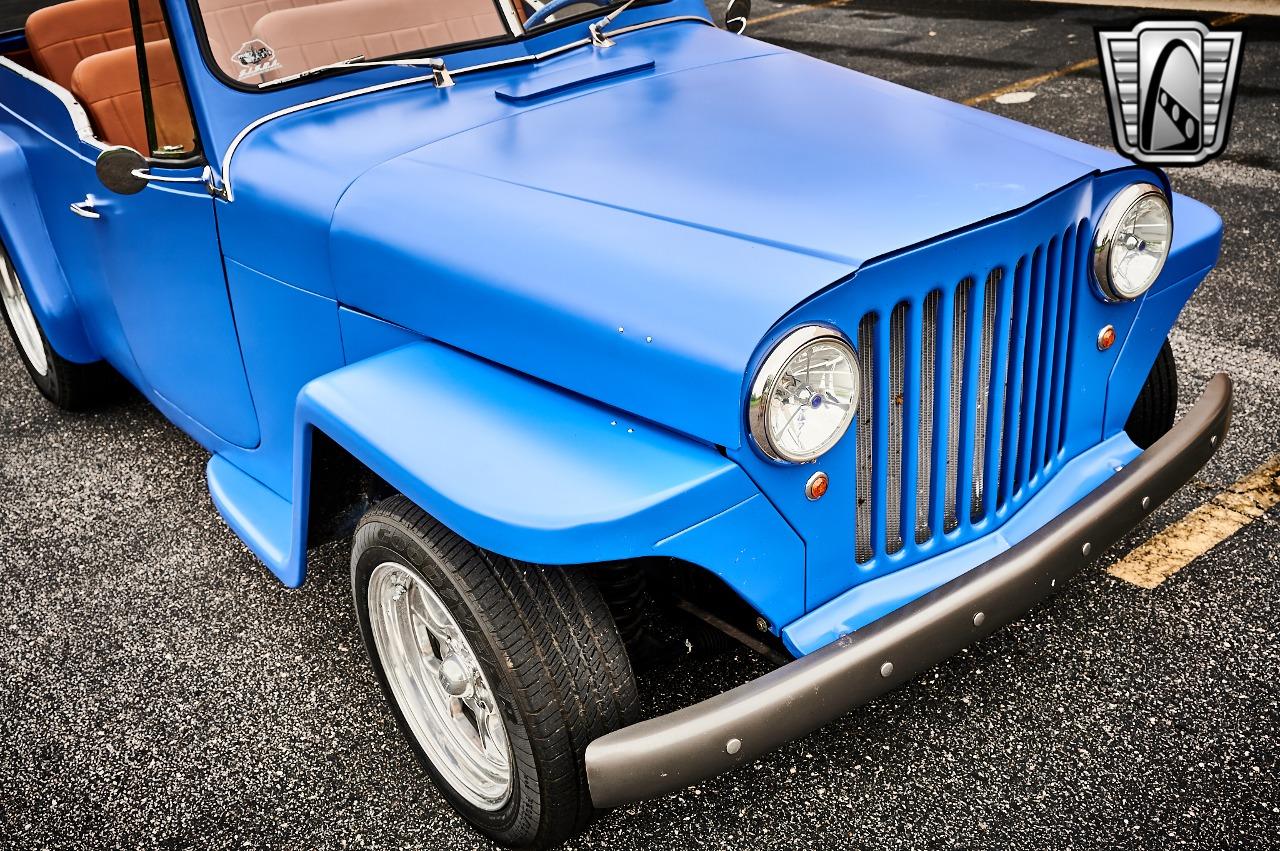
column 1157, row 406
column 68, row 385
column 499, row 673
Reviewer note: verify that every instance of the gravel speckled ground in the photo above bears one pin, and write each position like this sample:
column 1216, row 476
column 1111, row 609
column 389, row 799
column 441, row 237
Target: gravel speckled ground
column 159, row 689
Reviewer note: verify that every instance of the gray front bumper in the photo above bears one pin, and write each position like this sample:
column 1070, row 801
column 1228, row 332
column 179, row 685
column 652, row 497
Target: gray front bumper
column 673, row 751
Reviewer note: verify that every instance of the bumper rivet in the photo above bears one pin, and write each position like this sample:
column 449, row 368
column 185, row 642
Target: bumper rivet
column 1146, row 503
column 886, row 669
column 1087, row 548
column 979, row 618
column 732, row 746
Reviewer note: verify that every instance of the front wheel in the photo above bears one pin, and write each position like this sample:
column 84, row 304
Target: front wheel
column 500, row 673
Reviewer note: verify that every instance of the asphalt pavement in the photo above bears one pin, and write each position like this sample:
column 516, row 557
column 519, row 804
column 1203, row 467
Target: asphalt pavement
column 159, row 689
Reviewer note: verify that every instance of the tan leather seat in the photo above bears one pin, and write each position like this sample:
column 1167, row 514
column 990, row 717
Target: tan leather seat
column 306, row 37
column 107, row 84
column 61, row 36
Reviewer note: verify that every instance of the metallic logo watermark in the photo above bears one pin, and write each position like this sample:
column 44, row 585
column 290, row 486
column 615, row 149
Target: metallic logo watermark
column 1170, row 85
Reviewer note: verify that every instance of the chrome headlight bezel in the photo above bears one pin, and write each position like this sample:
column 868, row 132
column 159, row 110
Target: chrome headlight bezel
column 762, row 386
column 1105, row 237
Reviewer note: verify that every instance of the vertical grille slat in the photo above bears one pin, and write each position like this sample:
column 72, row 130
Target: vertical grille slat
column 880, row 439
column 963, row 409
column 971, row 394
column 896, row 405
column 998, row 390
column 939, row 499
column 864, row 425
column 983, row 393
column 1060, row 332
column 1013, row 385
column 913, row 364
column 1070, row 268
column 1044, row 371
column 955, row 420
column 928, row 392
column 1031, row 366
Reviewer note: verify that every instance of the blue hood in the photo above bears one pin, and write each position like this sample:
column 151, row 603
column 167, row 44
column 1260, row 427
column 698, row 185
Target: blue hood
column 635, row 241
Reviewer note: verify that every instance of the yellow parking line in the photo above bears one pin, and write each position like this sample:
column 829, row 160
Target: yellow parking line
column 1169, row 551
column 795, row 10
column 1032, row 82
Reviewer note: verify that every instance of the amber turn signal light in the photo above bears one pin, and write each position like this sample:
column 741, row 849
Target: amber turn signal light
column 817, row 486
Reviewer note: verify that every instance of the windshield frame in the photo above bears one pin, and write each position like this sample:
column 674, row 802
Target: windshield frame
column 505, row 7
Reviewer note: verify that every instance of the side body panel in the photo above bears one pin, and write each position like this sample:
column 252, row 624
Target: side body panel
column 39, row 142
column 141, row 285
column 162, row 270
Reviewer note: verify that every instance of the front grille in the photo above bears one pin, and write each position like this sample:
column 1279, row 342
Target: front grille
column 963, row 407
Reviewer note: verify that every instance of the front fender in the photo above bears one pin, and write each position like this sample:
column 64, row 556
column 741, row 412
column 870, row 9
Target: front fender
column 22, row 228
column 531, row 472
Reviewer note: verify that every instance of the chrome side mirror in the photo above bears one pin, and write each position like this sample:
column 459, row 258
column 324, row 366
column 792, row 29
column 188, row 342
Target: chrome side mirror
column 736, row 15
column 123, row 170
column 126, row 172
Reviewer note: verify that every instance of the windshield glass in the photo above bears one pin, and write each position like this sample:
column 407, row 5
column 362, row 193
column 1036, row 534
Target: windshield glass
column 255, row 42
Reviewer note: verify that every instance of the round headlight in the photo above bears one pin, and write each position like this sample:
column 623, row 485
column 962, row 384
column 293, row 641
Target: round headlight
column 1132, row 242
column 805, row 395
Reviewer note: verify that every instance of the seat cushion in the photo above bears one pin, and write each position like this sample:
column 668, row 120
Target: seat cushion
column 107, row 84
column 61, row 36
column 305, row 37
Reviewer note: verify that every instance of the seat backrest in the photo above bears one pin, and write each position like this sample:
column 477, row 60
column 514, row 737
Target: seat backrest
column 229, row 25
column 61, row 36
column 306, row 37
column 108, row 86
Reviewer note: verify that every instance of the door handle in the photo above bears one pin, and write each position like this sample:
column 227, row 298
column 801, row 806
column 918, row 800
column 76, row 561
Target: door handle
column 84, row 209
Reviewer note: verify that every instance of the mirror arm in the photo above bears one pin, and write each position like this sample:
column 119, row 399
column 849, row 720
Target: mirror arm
column 205, row 178
column 145, row 174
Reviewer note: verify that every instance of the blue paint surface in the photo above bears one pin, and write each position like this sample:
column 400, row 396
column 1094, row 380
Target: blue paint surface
column 534, row 301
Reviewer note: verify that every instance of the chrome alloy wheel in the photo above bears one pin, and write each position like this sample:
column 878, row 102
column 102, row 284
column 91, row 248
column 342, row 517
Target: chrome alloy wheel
column 439, row 686
column 25, row 327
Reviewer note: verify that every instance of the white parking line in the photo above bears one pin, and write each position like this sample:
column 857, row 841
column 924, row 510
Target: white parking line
column 1202, row 529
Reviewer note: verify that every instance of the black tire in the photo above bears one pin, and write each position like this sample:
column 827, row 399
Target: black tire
column 544, row 640
column 70, row 386
column 1157, row 406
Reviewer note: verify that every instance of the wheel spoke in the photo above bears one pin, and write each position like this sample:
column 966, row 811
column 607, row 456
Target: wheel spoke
column 433, row 673
column 481, row 713
column 6, row 280
column 428, row 617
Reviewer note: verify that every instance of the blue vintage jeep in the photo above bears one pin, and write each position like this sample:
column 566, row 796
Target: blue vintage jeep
column 573, row 317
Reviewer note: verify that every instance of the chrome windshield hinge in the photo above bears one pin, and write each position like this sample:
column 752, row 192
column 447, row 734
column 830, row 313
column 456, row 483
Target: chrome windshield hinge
column 216, row 185
column 440, row 75
column 599, row 38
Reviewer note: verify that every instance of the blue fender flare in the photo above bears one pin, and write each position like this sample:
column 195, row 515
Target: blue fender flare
column 22, row 227
column 526, row 470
